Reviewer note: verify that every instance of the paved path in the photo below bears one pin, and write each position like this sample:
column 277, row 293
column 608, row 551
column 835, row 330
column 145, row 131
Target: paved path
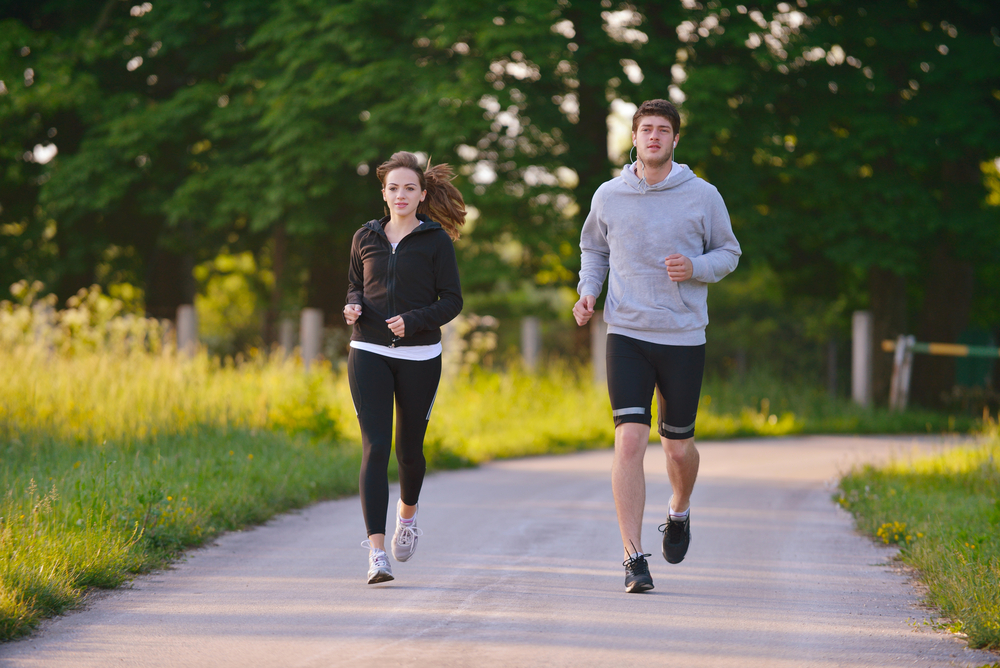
column 520, row 566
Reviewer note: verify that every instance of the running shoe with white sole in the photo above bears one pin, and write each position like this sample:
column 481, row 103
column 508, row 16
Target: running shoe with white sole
column 637, row 577
column 404, row 540
column 378, row 565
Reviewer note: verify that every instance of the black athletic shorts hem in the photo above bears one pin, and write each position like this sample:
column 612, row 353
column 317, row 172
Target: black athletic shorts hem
column 637, row 368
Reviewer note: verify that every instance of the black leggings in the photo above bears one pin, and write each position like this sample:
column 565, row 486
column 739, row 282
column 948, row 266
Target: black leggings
column 375, row 380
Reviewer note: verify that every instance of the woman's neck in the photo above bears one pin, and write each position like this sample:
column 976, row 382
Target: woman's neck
column 399, row 226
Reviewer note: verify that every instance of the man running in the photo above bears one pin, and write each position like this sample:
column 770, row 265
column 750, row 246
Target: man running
column 665, row 234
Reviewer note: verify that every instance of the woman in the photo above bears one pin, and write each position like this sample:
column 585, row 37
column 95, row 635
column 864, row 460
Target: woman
column 403, row 285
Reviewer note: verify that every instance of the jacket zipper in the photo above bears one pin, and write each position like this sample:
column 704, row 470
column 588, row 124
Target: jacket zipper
column 391, row 281
column 391, row 289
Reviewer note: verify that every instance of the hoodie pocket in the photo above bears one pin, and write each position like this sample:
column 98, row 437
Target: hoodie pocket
column 647, row 301
column 669, row 298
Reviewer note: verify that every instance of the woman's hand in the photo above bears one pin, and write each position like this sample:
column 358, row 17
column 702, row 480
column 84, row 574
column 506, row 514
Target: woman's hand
column 397, row 326
column 351, row 313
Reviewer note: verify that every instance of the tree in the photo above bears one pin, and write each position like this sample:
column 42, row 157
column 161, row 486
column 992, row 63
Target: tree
column 853, row 137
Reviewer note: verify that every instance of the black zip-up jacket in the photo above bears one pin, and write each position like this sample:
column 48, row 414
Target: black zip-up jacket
column 418, row 280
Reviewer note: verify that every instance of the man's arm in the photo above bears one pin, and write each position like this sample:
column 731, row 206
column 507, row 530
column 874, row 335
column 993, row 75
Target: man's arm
column 722, row 250
column 594, row 262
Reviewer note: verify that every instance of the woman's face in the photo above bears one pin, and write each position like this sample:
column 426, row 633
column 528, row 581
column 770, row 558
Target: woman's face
column 402, row 191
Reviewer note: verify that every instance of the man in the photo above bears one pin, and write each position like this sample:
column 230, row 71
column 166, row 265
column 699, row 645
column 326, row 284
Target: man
column 665, row 234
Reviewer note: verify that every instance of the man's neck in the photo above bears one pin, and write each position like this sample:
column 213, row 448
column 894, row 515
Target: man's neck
column 654, row 175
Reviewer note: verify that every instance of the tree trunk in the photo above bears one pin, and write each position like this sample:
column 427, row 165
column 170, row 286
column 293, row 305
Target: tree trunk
column 279, row 255
column 166, row 288
column 887, row 297
column 588, row 150
column 944, row 314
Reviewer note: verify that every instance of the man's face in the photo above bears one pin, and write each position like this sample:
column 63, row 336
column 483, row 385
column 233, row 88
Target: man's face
column 654, row 140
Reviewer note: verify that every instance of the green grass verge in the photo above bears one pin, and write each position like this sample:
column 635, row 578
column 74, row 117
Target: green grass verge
column 112, row 459
column 79, row 516
column 944, row 513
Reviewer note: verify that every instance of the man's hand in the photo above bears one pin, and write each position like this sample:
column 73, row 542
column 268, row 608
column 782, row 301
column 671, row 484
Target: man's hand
column 351, row 313
column 679, row 268
column 583, row 310
column 397, row 325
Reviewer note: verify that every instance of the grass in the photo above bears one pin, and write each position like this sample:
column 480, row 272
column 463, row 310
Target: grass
column 80, row 515
column 943, row 511
column 115, row 452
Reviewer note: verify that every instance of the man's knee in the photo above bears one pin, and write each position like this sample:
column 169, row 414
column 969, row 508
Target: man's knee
column 631, row 439
column 679, row 450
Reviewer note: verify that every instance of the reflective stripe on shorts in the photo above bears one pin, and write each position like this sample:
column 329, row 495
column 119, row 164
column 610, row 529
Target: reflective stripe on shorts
column 638, row 410
column 676, row 430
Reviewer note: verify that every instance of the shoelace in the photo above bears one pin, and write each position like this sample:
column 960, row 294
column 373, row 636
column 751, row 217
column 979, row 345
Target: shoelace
column 674, row 530
column 377, row 557
column 407, row 534
column 632, row 562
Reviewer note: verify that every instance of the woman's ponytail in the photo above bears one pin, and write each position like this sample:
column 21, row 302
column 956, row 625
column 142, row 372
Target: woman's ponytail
column 444, row 202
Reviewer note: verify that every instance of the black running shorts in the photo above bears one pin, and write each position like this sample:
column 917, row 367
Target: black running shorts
column 636, row 367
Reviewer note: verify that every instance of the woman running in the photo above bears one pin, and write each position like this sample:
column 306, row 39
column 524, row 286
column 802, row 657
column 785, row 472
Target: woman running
column 403, row 286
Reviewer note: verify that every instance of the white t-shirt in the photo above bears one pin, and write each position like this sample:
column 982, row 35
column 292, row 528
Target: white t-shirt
column 416, row 353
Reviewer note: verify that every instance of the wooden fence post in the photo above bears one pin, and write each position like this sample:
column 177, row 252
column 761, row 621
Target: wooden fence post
column 599, row 347
column 861, row 358
column 531, row 342
column 187, row 329
column 310, row 334
column 286, row 336
column 902, row 365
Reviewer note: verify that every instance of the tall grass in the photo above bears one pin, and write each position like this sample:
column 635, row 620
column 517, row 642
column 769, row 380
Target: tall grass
column 944, row 513
column 116, row 451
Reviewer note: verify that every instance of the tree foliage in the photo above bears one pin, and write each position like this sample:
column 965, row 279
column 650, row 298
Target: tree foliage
column 854, row 142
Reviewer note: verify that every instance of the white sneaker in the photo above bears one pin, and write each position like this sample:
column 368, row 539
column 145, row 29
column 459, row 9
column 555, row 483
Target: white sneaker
column 404, row 541
column 378, row 564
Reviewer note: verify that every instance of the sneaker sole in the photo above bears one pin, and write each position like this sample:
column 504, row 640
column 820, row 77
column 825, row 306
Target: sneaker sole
column 380, row 577
column 638, row 587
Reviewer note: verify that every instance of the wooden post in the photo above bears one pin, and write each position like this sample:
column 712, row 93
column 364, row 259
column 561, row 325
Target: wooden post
column 902, row 365
column 452, row 348
column 187, row 329
column 310, row 334
column 904, row 376
column 861, row 358
column 599, row 347
column 286, row 336
column 41, row 320
column 531, row 342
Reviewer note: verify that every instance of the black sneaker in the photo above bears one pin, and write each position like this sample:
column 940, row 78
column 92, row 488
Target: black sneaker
column 676, row 538
column 637, row 578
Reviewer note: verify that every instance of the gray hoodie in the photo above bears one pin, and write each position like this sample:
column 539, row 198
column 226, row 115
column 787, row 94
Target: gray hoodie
column 632, row 228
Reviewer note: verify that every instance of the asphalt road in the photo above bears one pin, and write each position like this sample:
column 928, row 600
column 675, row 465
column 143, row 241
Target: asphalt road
column 520, row 565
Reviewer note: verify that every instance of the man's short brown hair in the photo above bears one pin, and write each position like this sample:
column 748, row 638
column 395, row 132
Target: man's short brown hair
column 657, row 108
